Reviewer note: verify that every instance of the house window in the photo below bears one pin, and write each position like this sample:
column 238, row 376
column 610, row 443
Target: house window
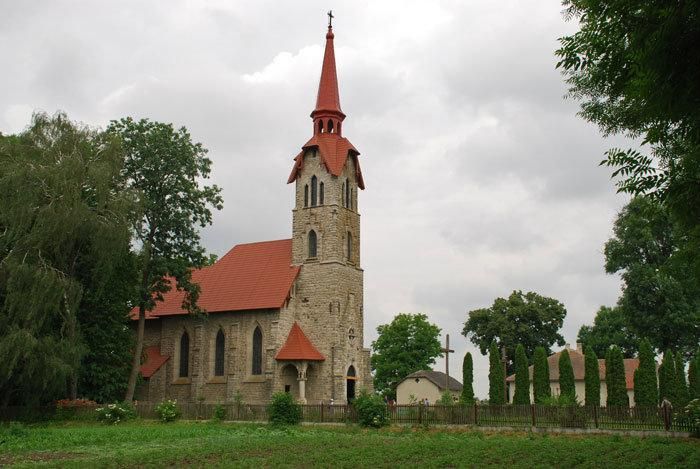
column 314, row 190
column 257, row 351
column 312, row 243
column 219, row 353
column 184, row 355
column 320, row 194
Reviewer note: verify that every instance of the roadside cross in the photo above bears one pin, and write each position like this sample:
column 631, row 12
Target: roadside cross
column 447, row 350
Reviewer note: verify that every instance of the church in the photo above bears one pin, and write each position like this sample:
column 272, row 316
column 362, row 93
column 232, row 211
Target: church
column 282, row 315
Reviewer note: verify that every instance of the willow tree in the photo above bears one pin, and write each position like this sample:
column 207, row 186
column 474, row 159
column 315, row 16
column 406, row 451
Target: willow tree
column 163, row 167
column 62, row 215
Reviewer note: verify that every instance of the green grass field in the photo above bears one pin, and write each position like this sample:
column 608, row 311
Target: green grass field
column 151, row 444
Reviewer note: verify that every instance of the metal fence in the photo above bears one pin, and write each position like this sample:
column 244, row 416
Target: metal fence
column 522, row 416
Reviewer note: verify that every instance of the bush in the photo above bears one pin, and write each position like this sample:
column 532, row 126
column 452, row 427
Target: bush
column 371, row 410
column 168, row 410
column 13, row 430
column 219, row 412
column 72, row 409
column 284, row 410
column 569, row 412
column 690, row 415
column 446, row 399
column 115, row 413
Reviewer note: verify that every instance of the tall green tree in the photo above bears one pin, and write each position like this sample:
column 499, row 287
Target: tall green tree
column 667, row 378
column 610, row 327
column 634, row 65
column 681, row 385
column 497, row 392
column 163, row 167
column 467, row 396
column 528, row 319
column 540, row 376
column 408, row 344
column 694, row 376
column 567, row 385
column 646, row 392
column 615, row 378
column 592, row 377
column 63, row 219
column 522, row 377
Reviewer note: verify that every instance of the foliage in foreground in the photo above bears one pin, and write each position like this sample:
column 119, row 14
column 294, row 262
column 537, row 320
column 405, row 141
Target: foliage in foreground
column 522, row 377
column 540, row 376
column 497, row 392
column 467, row 396
column 115, row 413
column 284, row 410
column 167, row 410
column 592, row 378
column 566, row 376
column 371, row 410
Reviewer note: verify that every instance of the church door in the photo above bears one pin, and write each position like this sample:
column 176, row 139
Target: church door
column 351, row 378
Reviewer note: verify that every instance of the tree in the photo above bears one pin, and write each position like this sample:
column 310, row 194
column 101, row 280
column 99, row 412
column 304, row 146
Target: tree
column 667, row 378
column 497, row 392
column 540, row 376
column 408, row 344
column 681, row 385
column 522, row 377
column 661, row 292
column 467, row 380
column 610, row 327
column 694, row 377
column 567, row 385
column 645, row 391
column 634, row 66
column 63, row 219
column 531, row 320
column 163, row 167
column 592, row 377
column 615, row 378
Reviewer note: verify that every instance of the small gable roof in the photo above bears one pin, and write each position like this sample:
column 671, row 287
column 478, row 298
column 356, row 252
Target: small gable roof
column 298, row 347
column 250, row 276
column 437, row 378
column 334, row 151
column 154, row 360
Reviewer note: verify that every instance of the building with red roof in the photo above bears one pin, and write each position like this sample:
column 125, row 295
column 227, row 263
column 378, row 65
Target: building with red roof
column 281, row 315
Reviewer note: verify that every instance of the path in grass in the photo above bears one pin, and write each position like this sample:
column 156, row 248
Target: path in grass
column 220, row 444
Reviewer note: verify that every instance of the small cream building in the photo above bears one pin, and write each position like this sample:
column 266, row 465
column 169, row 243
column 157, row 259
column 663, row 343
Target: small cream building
column 429, row 384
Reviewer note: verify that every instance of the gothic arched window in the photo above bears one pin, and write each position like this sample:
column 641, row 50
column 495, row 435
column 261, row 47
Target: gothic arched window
column 257, row 351
column 314, row 190
column 330, row 126
column 347, row 193
column 184, row 355
column 220, row 348
column 312, row 243
column 349, row 246
column 342, row 195
column 320, row 194
column 306, row 195
column 320, row 126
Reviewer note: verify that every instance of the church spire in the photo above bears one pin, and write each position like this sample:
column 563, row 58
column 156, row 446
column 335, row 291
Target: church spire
column 327, row 115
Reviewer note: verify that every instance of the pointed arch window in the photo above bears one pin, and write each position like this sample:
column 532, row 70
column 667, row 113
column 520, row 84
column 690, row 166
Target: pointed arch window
column 349, row 240
column 320, row 126
column 306, row 195
column 312, row 244
column 314, row 190
column 257, row 351
column 220, row 348
column 320, row 194
column 330, row 126
column 347, row 193
column 184, row 355
column 342, row 195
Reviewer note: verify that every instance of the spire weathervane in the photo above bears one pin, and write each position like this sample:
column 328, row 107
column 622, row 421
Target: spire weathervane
column 330, row 18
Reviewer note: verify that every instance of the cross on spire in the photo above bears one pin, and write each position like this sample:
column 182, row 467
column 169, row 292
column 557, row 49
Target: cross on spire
column 330, row 18
column 447, row 351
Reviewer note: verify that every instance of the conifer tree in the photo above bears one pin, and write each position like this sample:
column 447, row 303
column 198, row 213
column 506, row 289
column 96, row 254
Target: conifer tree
column 681, row 384
column 567, row 386
column 540, row 376
column 645, row 390
column 615, row 378
column 694, row 377
column 667, row 371
column 592, row 378
column 522, row 377
column 496, row 377
column 467, row 380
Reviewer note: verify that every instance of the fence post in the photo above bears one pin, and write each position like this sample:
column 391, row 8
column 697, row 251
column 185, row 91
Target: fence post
column 532, row 410
column 595, row 416
column 420, row 413
column 476, row 412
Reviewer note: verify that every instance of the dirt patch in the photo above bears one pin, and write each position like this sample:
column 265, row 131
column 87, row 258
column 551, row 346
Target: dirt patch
column 37, row 457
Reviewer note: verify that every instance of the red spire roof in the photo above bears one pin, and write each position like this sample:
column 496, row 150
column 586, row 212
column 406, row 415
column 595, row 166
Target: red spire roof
column 328, row 98
column 298, row 347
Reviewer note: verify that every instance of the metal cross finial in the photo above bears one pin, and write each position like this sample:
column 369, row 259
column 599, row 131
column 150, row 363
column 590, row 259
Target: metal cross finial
column 330, row 18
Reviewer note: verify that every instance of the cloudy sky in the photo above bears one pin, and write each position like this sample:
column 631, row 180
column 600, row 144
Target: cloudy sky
column 480, row 177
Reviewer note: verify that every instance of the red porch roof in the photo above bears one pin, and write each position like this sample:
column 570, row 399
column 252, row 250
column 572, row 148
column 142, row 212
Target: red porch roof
column 154, row 360
column 298, row 347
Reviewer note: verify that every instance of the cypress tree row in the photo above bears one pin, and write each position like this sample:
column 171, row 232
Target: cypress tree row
column 467, row 380
column 694, row 377
column 522, row 377
column 592, row 378
column 645, row 391
column 615, row 378
column 667, row 371
column 681, row 384
column 540, row 376
column 497, row 394
column 566, row 376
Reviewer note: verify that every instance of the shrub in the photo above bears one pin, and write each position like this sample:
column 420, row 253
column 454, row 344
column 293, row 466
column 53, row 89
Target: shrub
column 667, row 378
column 540, row 376
column 566, row 375
column 467, row 396
column 446, row 399
column 690, row 415
column 522, row 377
column 284, row 410
column 371, row 410
column 219, row 412
column 592, row 377
column 13, row 430
column 615, row 378
column 168, row 410
column 682, row 396
column 115, row 413
column 68, row 409
column 645, row 391
column 569, row 412
column 497, row 392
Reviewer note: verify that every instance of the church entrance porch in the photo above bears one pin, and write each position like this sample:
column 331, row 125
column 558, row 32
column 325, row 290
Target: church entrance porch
column 293, row 377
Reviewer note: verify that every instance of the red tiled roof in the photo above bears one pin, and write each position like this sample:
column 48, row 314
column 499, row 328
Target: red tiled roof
column 579, row 366
column 334, row 151
column 298, row 347
column 328, row 98
column 154, row 360
column 250, row 276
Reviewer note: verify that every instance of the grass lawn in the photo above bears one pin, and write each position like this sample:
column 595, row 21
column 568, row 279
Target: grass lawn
column 152, row 444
